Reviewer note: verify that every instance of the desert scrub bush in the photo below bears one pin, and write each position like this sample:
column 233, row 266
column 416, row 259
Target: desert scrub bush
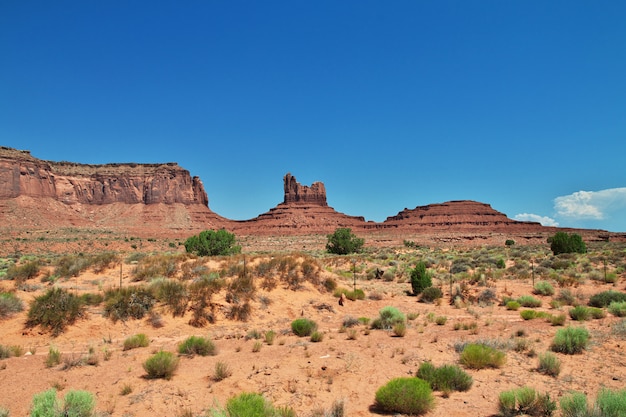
column 618, row 308
column 303, row 327
column 431, row 294
column 76, row 403
column 563, row 242
column 269, row 337
column 317, row 336
column 162, row 364
column 343, row 242
column 5, row 352
column 72, row 265
column 195, row 345
column 136, row 341
column 611, row 403
column 480, row 356
column 399, row 329
column 529, row 301
column 55, row 310
column 570, row 340
column 549, row 364
column 605, row 298
column 533, row 314
column 201, row 292
column 128, row 302
column 580, row 313
column 251, row 404
column 154, row 266
column 9, row 304
column 212, row 243
column 53, row 358
column 406, row 395
column 420, row 278
column 557, row 319
column 543, row 288
column 172, row 293
column 103, row 261
column 575, row 405
column 4, row 412
column 566, row 297
column 222, row 371
column 525, row 401
column 512, row 305
column 387, row 318
column 445, row 378
column 25, row 271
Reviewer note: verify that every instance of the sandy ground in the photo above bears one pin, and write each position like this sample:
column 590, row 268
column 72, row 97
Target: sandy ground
column 294, row 371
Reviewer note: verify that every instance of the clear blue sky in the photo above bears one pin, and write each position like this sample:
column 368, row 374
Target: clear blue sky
column 518, row 104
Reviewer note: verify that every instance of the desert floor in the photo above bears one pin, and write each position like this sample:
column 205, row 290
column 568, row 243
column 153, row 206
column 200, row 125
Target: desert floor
column 293, row 370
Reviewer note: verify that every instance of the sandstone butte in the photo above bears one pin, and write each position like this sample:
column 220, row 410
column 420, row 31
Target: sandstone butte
column 163, row 200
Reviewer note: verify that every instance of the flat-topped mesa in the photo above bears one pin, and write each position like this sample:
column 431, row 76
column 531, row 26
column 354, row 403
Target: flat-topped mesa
column 71, row 183
column 295, row 193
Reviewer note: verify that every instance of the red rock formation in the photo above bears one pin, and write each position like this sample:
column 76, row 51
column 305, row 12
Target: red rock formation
column 301, row 194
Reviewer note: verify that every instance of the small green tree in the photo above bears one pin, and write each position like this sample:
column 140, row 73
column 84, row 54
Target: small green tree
column 420, row 278
column 212, row 243
column 343, row 242
column 562, row 242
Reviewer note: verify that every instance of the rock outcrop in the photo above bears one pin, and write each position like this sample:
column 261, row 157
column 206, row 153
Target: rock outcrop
column 71, row 183
column 295, row 193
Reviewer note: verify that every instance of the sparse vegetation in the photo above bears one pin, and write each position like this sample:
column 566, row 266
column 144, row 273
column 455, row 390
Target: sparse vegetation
column 55, row 310
column 343, row 242
column 136, row 341
column 388, row 317
column 549, row 364
column 406, row 395
column 525, row 401
column 480, row 356
column 9, row 304
column 445, row 378
column 162, row 364
column 303, row 327
column 570, row 340
column 195, row 345
column 212, row 243
column 76, row 403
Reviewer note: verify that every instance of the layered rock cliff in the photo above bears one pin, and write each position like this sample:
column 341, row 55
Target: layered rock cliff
column 70, row 183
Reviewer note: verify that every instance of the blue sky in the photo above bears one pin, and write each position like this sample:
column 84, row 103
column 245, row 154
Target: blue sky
column 393, row 105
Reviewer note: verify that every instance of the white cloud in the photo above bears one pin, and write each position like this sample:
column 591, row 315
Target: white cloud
column 529, row 217
column 594, row 205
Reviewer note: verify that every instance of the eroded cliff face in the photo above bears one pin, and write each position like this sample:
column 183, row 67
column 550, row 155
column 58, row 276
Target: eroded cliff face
column 71, row 183
column 296, row 193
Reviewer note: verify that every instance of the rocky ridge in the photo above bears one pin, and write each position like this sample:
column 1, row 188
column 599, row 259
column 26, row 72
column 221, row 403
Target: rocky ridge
column 164, row 200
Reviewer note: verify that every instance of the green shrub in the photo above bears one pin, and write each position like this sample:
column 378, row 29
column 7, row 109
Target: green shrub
column 513, row 305
column 420, row 278
column 354, row 295
column 317, row 336
column 574, row 405
column 399, row 329
column 5, row 352
column 480, row 356
column 431, row 294
column 618, row 308
column 53, row 358
column 55, row 310
column 387, row 318
column 570, row 340
column 543, row 288
column 605, row 298
column 161, row 365
column 195, row 345
column 91, row 299
column 529, row 301
column 549, row 364
column 557, row 319
column 580, row 313
column 23, row 272
column 445, row 378
column 173, row 293
column 406, row 395
column 343, row 242
column 9, row 304
column 611, row 403
column 563, row 242
column 45, row 404
column 528, row 314
column 249, row 404
column 128, row 302
column 212, row 243
column 525, row 401
column 303, row 327
column 78, row 404
column 136, row 341
column 222, row 371
column 597, row 313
